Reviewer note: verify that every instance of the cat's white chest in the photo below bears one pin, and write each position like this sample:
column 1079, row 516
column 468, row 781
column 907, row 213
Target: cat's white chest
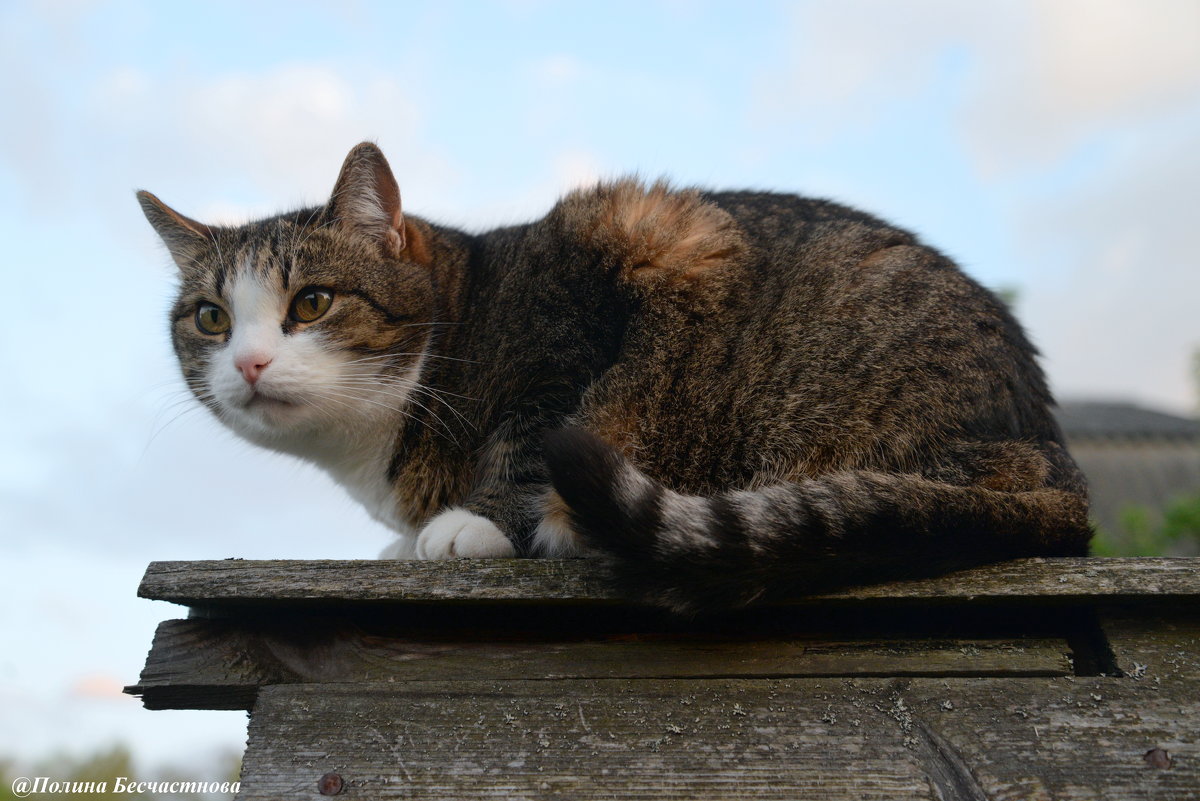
column 367, row 482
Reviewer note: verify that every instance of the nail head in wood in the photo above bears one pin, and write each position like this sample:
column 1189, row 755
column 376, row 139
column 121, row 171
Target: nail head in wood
column 330, row 784
column 1157, row 758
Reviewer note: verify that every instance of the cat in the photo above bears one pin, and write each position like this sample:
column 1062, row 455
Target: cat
column 727, row 397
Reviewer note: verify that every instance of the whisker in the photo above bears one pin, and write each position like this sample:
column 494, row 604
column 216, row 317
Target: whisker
column 158, row 428
column 295, row 246
column 449, row 433
column 408, row 382
column 439, row 356
column 409, row 389
column 373, row 386
column 314, row 230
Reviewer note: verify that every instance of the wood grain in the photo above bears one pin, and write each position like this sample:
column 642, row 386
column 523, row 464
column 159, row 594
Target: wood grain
column 529, row 581
column 216, row 664
column 534, row 679
column 862, row 739
column 1154, row 646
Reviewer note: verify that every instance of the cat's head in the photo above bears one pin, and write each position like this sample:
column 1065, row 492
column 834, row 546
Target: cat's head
column 308, row 328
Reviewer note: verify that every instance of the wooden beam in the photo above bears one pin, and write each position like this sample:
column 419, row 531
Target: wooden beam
column 220, row 664
column 490, row 581
column 863, row 739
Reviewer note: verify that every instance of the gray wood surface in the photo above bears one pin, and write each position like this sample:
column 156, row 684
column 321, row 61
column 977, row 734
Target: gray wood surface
column 218, row 664
column 209, row 583
column 862, row 739
column 1154, row 646
column 534, row 679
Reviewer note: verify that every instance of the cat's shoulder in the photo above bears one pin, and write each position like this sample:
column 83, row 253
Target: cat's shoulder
column 658, row 235
column 652, row 233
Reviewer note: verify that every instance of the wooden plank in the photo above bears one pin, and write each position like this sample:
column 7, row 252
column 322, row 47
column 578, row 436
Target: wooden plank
column 860, row 739
column 1155, row 646
column 284, row 582
column 206, row 664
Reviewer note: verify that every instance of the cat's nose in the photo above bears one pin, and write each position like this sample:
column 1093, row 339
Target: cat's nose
column 252, row 366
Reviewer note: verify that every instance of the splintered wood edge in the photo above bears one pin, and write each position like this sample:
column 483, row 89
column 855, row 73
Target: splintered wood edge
column 218, row 663
column 576, row 581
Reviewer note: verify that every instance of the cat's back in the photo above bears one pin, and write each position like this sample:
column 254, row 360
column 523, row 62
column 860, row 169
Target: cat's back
column 803, row 320
column 782, row 213
column 879, row 324
column 808, row 243
column 854, row 278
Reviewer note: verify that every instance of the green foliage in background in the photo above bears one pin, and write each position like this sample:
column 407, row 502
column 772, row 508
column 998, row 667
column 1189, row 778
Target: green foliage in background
column 1142, row 532
column 105, row 766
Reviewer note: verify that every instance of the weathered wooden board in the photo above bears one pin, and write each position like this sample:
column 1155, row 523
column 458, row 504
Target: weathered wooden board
column 862, row 739
column 206, row 664
column 234, row 582
column 1155, row 647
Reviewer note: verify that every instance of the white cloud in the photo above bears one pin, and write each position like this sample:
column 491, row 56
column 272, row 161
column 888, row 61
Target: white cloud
column 848, row 58
column 250, row 141
column 558, row 70
column 280, row 133
column 1112, row 300
column 1079, row 65
column 1126, row 320
column 575, row 168
column 1039, row 76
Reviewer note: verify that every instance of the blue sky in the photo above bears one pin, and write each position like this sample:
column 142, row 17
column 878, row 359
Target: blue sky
column 1050, row 146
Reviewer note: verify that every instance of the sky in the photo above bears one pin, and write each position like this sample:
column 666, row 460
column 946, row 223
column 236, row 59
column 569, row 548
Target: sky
column 1049, row 146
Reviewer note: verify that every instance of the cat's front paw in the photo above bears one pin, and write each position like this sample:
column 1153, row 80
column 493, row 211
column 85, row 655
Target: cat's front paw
column 456, row 533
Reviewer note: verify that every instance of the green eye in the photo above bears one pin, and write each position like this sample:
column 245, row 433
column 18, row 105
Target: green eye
column 311, row 303
column 212, row 319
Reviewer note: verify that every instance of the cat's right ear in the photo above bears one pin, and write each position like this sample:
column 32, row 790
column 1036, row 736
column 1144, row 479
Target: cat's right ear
column 185, row 238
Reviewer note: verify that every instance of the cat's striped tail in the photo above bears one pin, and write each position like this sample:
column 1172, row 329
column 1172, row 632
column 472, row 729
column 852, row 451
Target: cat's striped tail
column 694, row 553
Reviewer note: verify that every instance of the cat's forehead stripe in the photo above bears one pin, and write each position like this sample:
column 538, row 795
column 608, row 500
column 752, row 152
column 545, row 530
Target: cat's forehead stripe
column 285, row 269
column 264, row 259
column 252, row 297
column 221, row 276
column 233, row 260
column 283, row 246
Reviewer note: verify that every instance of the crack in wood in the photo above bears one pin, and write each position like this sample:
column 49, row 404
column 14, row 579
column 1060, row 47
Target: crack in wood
column 948, row 772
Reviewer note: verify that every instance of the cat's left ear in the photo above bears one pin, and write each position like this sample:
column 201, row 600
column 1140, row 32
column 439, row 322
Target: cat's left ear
column 366, row 199
column 185, row 238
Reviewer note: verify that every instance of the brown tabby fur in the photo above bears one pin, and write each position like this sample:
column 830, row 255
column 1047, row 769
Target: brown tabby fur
column 726, row 396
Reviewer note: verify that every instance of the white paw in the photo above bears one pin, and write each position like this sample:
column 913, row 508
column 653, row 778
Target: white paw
column 457, row 532
column 404, row 547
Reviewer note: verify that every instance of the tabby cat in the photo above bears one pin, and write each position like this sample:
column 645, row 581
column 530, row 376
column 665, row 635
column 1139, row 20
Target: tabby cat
column 725, row 396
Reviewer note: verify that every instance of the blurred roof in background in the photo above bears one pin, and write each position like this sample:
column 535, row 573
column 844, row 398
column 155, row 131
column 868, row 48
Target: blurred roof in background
column 1132, row 456
column 1104, row 420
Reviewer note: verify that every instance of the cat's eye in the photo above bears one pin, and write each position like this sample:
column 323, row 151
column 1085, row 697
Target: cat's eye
column 212, row 319
column 311, row 303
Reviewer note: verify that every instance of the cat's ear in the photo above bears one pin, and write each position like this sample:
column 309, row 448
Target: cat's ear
column 366, row 199
column 185, row 238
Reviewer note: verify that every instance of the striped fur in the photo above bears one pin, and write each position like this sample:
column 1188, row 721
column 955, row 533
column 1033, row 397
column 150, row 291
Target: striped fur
column 692, row 553
column 726, row 396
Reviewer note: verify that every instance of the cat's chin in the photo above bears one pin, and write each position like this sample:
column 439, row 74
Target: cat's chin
column 268, row 406
column 265, row 418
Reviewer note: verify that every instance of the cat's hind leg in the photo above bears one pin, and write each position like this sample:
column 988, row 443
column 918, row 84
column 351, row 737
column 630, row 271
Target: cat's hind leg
column 554, row 536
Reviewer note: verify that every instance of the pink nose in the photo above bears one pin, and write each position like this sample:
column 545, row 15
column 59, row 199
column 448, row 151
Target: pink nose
column 252, row 366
